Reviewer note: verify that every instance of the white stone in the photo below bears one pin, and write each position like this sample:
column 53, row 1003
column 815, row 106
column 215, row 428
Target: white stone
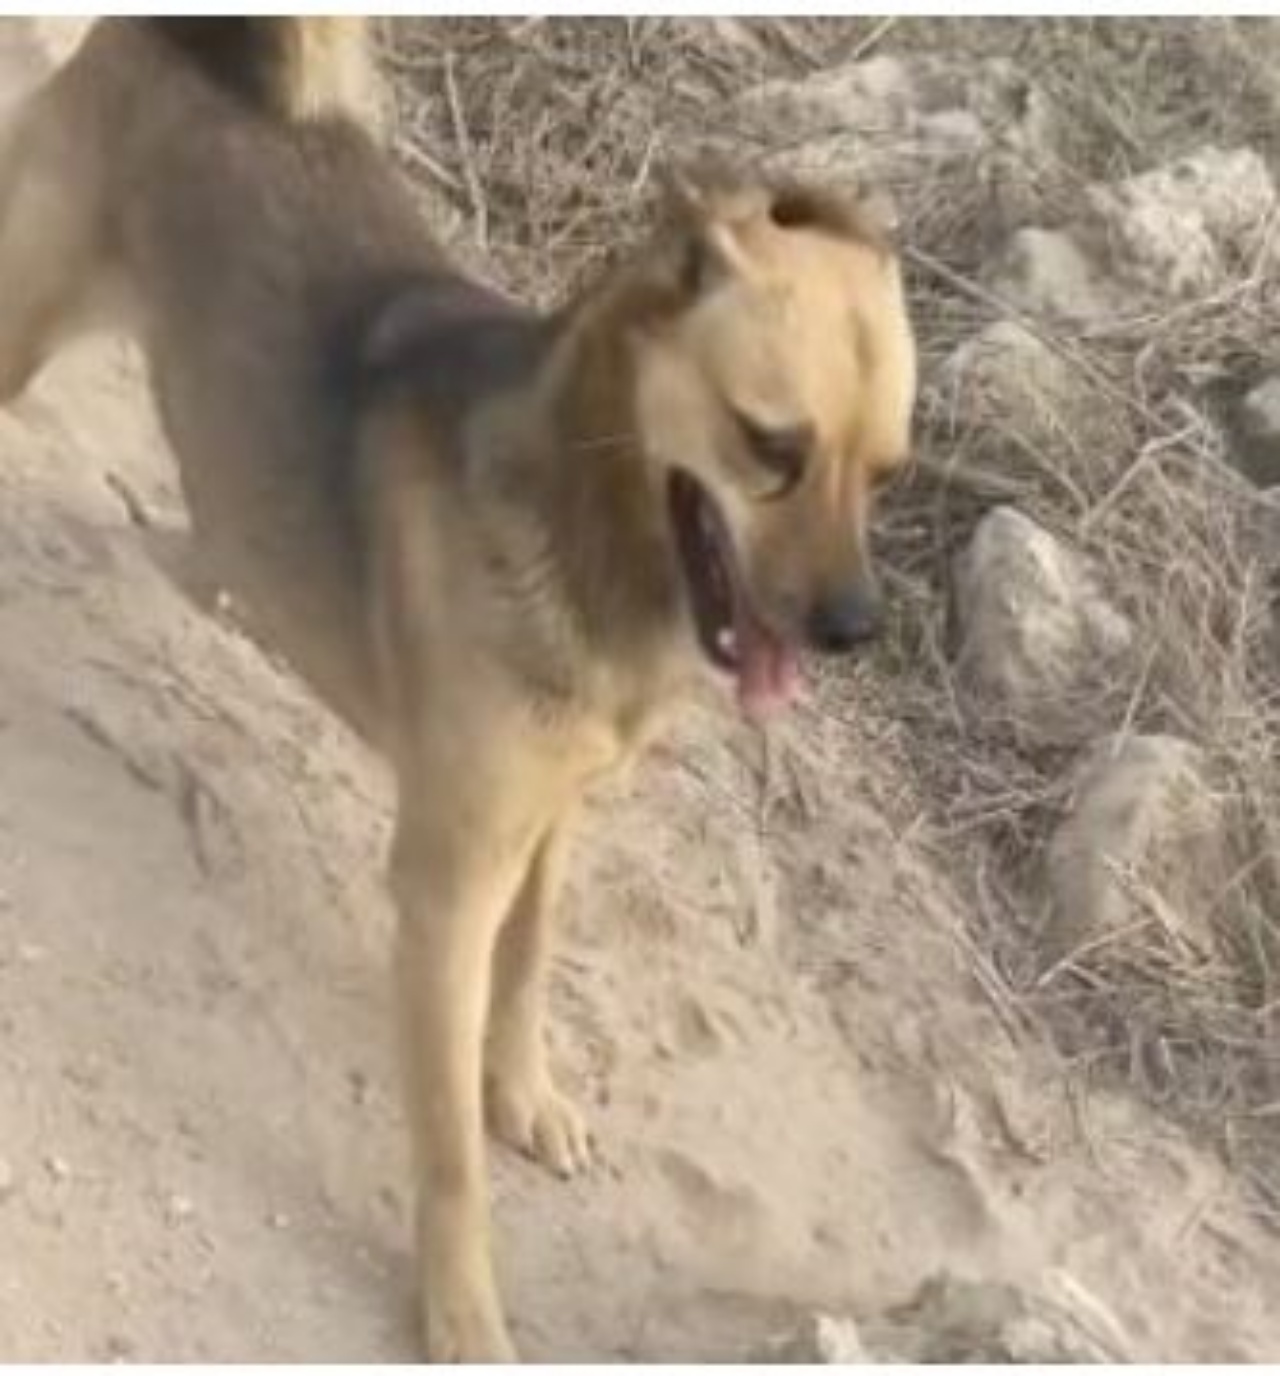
column 1257, row 439
column 1178, row 228
column 1033, row 625
column 820, row 1340
column 1047, row 273
column 1143, row 853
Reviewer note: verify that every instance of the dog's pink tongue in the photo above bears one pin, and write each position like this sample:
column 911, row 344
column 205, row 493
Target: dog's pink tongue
column 768, row 670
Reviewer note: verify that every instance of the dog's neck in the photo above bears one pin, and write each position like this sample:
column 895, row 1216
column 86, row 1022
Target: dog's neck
column 602, row 502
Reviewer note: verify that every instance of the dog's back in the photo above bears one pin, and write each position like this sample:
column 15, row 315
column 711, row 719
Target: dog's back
column 170, row 147
column 216, row 187
column 294, row 68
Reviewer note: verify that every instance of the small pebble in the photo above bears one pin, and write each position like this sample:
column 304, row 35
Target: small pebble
column 178, row 1207
column 57, row 1167
column 119, row 1349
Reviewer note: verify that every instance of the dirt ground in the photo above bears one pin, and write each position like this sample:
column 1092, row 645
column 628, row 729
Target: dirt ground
column 767, row 998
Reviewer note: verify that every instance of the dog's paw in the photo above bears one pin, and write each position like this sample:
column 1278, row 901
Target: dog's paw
column 467, row 1332
column 536, row 1119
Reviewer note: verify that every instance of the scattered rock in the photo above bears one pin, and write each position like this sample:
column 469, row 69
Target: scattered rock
column 1047, row 273
column 819, row 1340
column 117, row 1348
column 57, row 1167
column 358, row 1087
column 1007, row 389
column 876, row 95
column 954, row 1320
column 1257, row 426
column 178, row 1208
column 735, row 33
column 1178, row 229
column 892, row 120
column 1143, row 854
column 1034, row 630
column 952, row 133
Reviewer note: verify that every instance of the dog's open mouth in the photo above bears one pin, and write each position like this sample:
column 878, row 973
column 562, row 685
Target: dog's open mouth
column 733, row 635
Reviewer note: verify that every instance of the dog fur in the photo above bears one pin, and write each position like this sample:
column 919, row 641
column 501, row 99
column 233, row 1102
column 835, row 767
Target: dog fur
column 502, row 545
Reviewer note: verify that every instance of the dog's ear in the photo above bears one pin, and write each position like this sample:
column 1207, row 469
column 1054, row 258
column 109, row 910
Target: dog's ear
column 710, row 189
column 865, row 216
column 704, row 204
column 709, row 204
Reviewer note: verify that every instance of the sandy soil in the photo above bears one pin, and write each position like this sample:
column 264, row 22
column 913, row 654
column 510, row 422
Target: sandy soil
column 803, row 1100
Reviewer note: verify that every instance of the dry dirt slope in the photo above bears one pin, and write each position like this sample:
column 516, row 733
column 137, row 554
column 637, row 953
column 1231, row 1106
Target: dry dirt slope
column 802, row 1101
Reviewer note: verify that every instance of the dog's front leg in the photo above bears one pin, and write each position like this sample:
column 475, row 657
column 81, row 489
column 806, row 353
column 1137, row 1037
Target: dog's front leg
column 526, row 1109
column 453, row 888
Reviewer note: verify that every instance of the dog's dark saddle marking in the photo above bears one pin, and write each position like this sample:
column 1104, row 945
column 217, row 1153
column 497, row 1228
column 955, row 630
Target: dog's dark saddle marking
column 431, row 341
column 446, row 343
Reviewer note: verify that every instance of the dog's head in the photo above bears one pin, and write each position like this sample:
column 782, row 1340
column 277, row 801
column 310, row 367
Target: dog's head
column 774, row 393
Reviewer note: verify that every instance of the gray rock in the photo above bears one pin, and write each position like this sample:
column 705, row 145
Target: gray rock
column 1177, row 229
column 876, row 96
column 1143, row 855
column 1006, row 384
column 953, row 1320
column 1034, row 629
column 1257, row 440
column 956, row 1320
column 892, row 120
column 819, row 1340
column 1047, row 273
column 953, row 132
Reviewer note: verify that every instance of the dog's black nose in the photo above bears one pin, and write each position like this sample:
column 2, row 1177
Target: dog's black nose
column 842, row 621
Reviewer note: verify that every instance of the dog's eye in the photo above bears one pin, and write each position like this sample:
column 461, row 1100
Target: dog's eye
column 782, row 451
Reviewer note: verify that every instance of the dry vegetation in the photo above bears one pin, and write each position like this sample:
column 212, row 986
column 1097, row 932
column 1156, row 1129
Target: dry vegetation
column 536, row 140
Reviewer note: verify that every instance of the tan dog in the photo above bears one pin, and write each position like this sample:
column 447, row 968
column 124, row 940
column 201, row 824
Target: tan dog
column 500, row 544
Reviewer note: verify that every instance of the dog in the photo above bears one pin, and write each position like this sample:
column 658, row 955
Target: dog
column 501, row 544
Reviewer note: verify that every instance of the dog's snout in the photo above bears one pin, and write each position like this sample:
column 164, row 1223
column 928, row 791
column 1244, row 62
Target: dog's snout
column 844, row 620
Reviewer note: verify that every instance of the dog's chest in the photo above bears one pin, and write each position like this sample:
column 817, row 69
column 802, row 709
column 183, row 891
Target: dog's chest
column 632, row 711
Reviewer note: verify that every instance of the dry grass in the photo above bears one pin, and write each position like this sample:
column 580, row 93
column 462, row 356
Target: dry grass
column 539, row 136
column 1135, row 473
column 536, row 140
